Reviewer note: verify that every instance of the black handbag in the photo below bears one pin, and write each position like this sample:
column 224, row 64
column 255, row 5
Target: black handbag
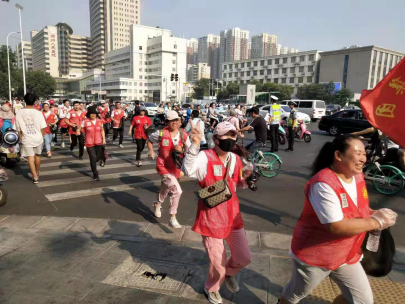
column 379, row 263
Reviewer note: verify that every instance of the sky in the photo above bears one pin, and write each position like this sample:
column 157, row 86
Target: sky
column 304, row 25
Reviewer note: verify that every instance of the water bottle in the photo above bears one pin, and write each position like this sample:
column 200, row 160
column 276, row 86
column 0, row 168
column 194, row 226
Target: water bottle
column 373, row 240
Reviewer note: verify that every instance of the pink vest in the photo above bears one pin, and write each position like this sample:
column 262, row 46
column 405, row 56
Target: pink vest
column 93, row 132
column 217, row 222
column 164, row 162
column 313, row 244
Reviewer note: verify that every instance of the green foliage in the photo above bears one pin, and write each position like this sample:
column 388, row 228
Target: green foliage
column 325, row 92
column 40, row 83
column 258, row 85
column 343, row 97
column 3, row 59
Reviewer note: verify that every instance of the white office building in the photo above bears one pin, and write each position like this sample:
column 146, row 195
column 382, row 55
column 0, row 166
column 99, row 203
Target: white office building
column 263, row 45
column 110, row 22
column 290, row 69
column 26, row 48
column 143, row 70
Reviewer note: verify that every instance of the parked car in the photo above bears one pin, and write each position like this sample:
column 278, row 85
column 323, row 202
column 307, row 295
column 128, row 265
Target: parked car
column 151, row 108
column 345, row 121
column 351, row 107
column 249, row 110
column 285, row 112
column 330, row 109
column 314, row 108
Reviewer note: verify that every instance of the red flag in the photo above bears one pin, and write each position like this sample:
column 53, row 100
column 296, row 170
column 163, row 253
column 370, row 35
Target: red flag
column 384, row 106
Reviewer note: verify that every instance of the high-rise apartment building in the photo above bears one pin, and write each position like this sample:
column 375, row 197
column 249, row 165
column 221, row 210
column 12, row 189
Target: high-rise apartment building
column 26, row 48
column 192, row 51
column 143, row 70
column 57, row 51
column 110, row 22
column 263, row 45
column 208, row 53
column 197, row 72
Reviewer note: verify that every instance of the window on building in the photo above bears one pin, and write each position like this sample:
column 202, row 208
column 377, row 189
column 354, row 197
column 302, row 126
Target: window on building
column 175, row 46
column 242, row 74
column 311, row 57
column 241, row 82
column 276, row 71
column 242, row 65
column 140, row 76
column 275, row 80
column 283, row 80
column 140, row 48
column 248, row 64
column 235, row 74
column 236, row 65
column 145, row 91
column 302, row 58
column 284, row 70
column 300, row 80
column 224, row 75
column 255, row 63
column 291, row 80
column 261, row 72
column 309, row 79
column 292, row 70
column 225, row 67
column 269, row 61
column 248, row 73
column 268, row 71
column 285, row 60
column 293, row 60
column 230, row 74
column 277, row 61
column 262, row 62
column 301, row 69
column 255, row 73
column 345, row 70
column 309, row 68
column 230, row 66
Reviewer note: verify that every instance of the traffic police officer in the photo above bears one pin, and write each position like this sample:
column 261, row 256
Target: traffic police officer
column 274, row 118
column 292, row 123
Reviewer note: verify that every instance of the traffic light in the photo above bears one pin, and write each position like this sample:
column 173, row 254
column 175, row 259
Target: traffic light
column 172, row 77
column 176, row 77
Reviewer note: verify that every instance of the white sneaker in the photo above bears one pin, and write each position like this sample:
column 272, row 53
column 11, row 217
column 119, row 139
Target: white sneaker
column 63, row 145
column 84, row 147
column 213, row 297
column 52, row 144
column 121, row 146
column 174, row 224
column 157, row 209
column 232, row 284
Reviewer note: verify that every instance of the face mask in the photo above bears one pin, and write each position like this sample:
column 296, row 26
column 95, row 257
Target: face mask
column 226, row 144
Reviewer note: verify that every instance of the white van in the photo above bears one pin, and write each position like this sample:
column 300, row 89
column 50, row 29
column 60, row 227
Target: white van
column 314, row 108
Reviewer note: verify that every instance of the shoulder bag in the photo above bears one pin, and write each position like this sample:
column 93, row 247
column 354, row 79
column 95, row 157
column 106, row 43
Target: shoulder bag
column 217, row 193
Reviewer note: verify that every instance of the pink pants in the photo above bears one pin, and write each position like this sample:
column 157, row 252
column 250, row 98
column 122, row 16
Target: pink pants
column 170, row 185
column 219, row 266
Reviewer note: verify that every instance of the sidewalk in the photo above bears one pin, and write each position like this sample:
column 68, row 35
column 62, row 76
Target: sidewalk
column 73, row 260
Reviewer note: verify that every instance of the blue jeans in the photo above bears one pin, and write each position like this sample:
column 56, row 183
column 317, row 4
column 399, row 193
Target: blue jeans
column 47, row 141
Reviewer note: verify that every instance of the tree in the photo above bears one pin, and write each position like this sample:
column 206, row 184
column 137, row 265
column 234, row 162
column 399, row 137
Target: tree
column 283, row 92
column 257, row 83
column 322, row 92
column 40, row 83
column 3, row 59
column 343, row 96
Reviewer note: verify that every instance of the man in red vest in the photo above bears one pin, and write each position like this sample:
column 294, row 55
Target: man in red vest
column 62, row 113
column 172, row 138
column 74, row 120
column 104, row 113
column 117, row 116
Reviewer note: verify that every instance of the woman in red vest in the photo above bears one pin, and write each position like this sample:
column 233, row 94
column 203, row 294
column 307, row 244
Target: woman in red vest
column 331, row 229
column 51, row 119
column 95, row 139
column 104, row 112
column 74, row 119
column 140, row 123
column 224, row 221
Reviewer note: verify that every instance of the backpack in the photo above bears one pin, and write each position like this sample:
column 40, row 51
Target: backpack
column 6, row 124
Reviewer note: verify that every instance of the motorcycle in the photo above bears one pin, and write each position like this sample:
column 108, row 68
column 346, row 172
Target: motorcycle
column 9, row 147
column 159, row 120
column 207, row 125
column 3, row 192
column 303, row 132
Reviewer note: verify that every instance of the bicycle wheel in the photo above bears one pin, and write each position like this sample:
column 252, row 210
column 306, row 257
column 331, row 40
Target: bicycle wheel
column 269, row 164
column 390, row 180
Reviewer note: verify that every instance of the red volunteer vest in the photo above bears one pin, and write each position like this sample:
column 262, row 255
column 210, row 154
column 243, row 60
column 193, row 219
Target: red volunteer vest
column 76, row 119
column 93, row 132
column 118, row 115
column 217, row 222
column 62, row 123
column 51, row 118
column 138, row 123
column 164, row 162
column 103, row 112
column 313, row 244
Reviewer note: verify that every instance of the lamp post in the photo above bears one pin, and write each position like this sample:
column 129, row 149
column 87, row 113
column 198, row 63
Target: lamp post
column 20, row 8
column 8, row 64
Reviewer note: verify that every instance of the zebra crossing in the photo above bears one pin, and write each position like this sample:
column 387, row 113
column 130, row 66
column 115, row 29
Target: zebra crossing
column 65, row 177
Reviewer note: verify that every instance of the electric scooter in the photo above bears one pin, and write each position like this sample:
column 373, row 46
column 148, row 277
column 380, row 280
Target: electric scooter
column 303, row 132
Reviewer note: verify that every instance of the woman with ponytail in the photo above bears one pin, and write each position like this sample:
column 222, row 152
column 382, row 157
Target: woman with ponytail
column 331, row 229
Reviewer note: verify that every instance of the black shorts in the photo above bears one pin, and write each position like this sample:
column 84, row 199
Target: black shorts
column 64, row 130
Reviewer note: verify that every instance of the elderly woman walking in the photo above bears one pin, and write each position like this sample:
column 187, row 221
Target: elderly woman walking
column 331, row 229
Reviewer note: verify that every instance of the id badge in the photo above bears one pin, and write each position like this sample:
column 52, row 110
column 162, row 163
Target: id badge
column 218, row 170
column 344, row 200
column 165, row 142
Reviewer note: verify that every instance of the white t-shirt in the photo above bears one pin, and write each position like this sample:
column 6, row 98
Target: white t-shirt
column 30, row 122
column 17, row 107
column 325, row 202
column 201, row 127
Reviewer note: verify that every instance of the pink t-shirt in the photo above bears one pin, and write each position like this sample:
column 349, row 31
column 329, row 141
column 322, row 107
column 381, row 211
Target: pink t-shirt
column 234, row 121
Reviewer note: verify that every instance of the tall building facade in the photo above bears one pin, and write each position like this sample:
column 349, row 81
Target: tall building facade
column 192, row 50
column 143, row 70
column 197, row 72
column 263, row 45
column 357, row 68
column 57, row 51
column 26, row 48
column 208, row 53
column 110, row 22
